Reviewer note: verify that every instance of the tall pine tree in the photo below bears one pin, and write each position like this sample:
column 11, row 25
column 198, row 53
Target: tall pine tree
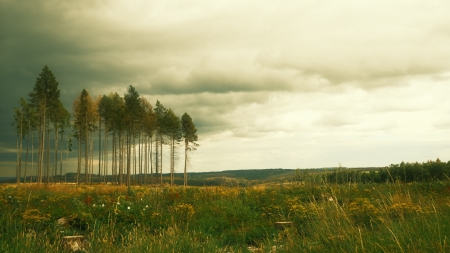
column 190, row 137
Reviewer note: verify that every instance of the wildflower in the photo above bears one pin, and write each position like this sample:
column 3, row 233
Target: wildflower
column 146, row 206
column 128, row 208
column 103, row 205
column 93, row 205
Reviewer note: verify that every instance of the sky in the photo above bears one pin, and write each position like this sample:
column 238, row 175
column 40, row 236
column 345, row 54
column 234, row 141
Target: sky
column 269, row 84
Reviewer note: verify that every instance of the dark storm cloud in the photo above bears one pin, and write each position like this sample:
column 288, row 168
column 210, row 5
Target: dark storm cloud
column 225, row 62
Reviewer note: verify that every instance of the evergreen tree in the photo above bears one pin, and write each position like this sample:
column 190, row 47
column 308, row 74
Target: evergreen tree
column 190, row 137
column 149, row 124
column 84, row 114
column 160, row 113
column 43, row 97
column 19, row 121
column 173, row 130
column 104, row 117
column 60, row 118
column 133, row 113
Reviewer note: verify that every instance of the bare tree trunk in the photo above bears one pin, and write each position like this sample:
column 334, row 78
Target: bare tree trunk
column 42, row 146
column 20, row 151
column 114, row 157
column 32, row 156
column 128, row 159
column 79, row 157
column 99, row 148
column 17, row 159
column 134, row 157
column 61, row 156
column 105, row 156
column 91, row 148
column 140, row 158
column 151, row 159
column 47, row 154
column 86, row 157
column 120, row 159
column 26, row 155
column 161, row 181
column 185, row 162
column 65, row 166
column 146, row 160
column 157, row 159
column 55, row 159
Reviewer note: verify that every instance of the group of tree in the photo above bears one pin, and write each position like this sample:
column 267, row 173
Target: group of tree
column 403, row 172
column 131, row 135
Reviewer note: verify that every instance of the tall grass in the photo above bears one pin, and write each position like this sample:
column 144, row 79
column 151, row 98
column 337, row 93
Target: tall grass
column 398, row 217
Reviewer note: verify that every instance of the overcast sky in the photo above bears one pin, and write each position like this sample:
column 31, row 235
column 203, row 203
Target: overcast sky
column 269, row 84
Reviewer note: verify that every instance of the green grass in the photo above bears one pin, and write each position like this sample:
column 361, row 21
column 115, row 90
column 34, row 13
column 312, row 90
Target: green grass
column 412, row 217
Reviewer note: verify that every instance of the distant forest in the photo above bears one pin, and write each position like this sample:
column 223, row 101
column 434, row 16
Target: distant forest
column 130, row 136
column 403, row 172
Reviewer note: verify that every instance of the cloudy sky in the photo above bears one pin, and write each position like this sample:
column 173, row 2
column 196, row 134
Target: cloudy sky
column 269, row 84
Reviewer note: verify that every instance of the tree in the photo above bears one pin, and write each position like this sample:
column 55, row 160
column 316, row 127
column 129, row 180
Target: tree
column 104, row 116
column 118, row 127
column 60, row 118
column 190, row 137
column 19, row 121
column 43, row 97
column 68, row 149
column 133, row 113
column 84, row 114
column 149, row 124
column 30, row 127
column 173, row 130
column 160, row 113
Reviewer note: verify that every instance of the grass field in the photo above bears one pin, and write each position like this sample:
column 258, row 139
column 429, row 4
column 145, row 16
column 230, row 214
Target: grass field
column 399, row 217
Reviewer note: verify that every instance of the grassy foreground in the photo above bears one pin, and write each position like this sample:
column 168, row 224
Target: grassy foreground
column 401, row 217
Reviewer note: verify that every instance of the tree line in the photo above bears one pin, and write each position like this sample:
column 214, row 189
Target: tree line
column 130, row 133
column 403, row 172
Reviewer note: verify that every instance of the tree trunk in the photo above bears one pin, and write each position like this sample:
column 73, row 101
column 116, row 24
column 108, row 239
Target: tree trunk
column 79, row 157
column 91, row 148
column 157, row 158
column 120, row 159
column 47, row 154
column 26, row 155
column 128, row 159
column 55, row 159
column 105, row 156
column 42, row 146
column 20, row 150
column 161, row 181
column 140, row 158
column 99, row 148
column 145, row 159
column 61, row 157
column 86, row 159
column 65, row 166
column 17, row 159
column 32, row 156
column 151, row 159
column 185, row 162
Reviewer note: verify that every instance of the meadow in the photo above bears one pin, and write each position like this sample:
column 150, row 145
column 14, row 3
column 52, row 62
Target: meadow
column 318, row 217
